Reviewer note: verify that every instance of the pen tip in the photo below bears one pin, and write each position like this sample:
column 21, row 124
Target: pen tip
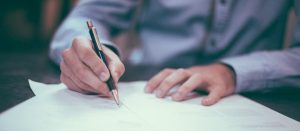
column 116, row 96
column 90, row 24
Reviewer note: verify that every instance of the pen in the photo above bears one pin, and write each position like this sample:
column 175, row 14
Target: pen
column 99, row 51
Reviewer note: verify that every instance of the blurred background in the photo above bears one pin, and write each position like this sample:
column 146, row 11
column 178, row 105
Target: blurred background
column 29, row 25
column 26, row 29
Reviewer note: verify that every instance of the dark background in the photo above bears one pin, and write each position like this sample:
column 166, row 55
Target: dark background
column 29, row 25
column 26, row 29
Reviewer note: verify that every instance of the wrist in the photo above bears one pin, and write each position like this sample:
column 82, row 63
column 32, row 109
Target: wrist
column 230, row 72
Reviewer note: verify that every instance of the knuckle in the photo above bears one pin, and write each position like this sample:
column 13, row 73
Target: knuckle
column 120, row 68
column 83, row 51
column 197, row 75
column 77, row 41
column 66, row 53
column 167, row 70
column 182, row 71
column 167, row 82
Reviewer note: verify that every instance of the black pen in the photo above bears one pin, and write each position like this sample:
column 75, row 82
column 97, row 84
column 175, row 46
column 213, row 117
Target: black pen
column 99, row 51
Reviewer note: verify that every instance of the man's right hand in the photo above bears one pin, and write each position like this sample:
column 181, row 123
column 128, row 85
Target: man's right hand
column 83, row 71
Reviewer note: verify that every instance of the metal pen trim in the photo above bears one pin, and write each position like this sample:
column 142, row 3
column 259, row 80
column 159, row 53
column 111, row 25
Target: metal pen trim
column 115, row 94
column 99, row 51
column 97, row 40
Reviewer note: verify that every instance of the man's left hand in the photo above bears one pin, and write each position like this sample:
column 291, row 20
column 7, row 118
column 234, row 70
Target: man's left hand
column 217, row 79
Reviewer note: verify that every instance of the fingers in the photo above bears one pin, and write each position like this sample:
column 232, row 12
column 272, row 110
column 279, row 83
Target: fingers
column 67, row 73
column 70, row 84
column 86, row 70
column 115, row 65
column 170, row 81
column 196, row 81
column 215, row 79
column 192, row 83
column 168, row 78
column 87, row 55
column 154, row 82
column 84, row 50
column 213, row 97
column 82, row 72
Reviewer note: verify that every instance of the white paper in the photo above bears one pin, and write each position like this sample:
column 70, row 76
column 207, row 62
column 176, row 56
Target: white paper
column 56, row 108
column 40, row 88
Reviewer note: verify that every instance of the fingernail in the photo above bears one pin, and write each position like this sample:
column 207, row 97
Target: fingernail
column 158, row 93
column 103, row 76
column 147, row 89
column 176, row 97
column 205, row 101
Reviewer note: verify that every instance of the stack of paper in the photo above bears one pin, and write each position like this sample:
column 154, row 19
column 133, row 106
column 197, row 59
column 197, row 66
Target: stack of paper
column 56, row 108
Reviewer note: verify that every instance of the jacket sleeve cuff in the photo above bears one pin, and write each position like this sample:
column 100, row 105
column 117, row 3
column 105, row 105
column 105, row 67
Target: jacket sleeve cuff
column 112, row 47
column 249, row 72
column 72, row 28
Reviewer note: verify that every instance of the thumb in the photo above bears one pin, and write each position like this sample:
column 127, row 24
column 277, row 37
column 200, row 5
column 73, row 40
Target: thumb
column 213, row 97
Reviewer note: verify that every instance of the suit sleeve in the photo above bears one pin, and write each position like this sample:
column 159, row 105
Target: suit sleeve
column 269, row 69
column 110, row 17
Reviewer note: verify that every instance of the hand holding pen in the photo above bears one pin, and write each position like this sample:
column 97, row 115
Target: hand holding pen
column 83, row 71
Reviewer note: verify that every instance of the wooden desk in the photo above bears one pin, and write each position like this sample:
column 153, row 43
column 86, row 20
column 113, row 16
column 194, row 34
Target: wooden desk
column 18, row 66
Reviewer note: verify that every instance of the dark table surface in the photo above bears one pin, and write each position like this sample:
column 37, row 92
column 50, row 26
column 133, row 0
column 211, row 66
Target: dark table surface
column 18, row 66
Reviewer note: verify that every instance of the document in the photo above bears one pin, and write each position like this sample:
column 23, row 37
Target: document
column 56, row 108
